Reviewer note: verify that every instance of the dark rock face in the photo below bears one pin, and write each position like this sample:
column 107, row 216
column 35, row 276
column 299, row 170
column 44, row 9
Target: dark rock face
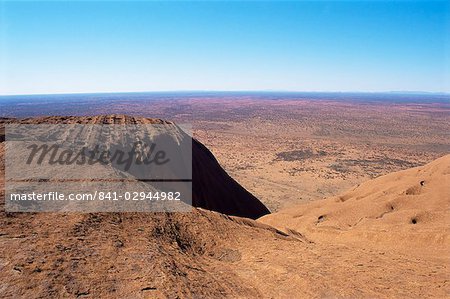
column 215, row 190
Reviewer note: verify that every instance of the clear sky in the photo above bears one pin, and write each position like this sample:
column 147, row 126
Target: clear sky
column 86, row 46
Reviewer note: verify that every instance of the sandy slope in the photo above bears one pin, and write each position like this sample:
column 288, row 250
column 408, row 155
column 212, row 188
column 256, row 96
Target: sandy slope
column 408, row 211
column 195, row 255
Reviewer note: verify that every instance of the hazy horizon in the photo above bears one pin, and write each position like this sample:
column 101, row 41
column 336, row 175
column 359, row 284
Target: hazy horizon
column 389, row 92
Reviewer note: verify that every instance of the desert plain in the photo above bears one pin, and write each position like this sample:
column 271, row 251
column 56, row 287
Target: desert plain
column 358, row 190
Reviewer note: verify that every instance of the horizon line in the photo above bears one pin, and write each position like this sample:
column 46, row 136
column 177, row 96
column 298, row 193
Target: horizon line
column 398, row 92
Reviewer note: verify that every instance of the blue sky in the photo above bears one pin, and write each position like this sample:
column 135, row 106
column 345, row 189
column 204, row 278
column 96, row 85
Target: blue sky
column 85, row 46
